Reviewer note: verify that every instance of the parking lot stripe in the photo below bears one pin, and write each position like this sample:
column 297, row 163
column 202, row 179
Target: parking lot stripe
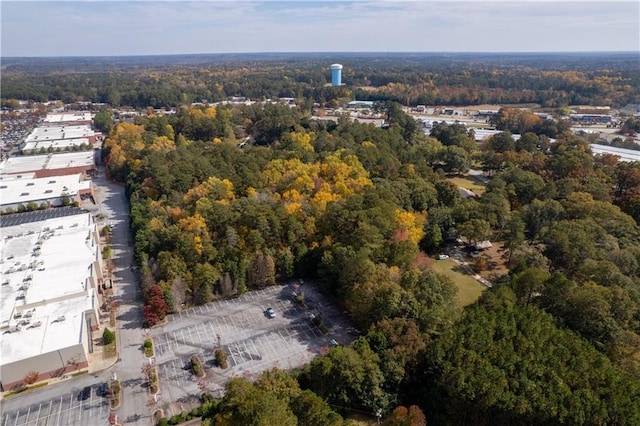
column 59, row 411
column 201, row 341
column 235, row 362
column 38, row 415
column 49, row 412
column 273, row 351
column 256, row 349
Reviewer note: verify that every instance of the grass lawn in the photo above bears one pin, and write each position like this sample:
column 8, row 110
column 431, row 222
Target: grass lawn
column 361, row 419
column 469, row 289
column 469, row 183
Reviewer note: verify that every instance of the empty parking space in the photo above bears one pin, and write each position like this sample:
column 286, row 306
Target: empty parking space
column 253, row 339
column 65, row 410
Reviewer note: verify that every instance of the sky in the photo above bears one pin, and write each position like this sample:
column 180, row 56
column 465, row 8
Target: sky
column 146, row 27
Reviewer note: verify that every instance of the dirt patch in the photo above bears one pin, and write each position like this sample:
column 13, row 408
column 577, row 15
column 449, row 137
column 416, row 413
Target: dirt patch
column 496, row 262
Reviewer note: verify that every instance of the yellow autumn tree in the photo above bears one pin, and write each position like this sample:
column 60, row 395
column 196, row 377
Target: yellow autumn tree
column 196, row 228
column 301, row 140
column 410, row 225
column 214, row 188
column 162, row 144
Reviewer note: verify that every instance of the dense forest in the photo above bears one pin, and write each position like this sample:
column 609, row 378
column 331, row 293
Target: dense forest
column 363, row 211
column 550, row 80
column 360, row 209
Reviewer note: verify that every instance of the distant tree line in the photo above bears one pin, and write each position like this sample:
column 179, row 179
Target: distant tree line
column 431, row 80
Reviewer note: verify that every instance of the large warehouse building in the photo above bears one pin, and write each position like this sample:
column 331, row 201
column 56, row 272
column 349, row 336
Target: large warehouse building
column 49, row 300
column 20, row 191
column 70, row 163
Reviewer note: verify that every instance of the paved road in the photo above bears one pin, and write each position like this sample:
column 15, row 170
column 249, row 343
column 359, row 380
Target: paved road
column 113, row 205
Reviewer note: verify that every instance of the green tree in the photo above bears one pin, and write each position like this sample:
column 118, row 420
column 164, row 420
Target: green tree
column 311, row 410
column 510, row 364
column 103, row 121
column 108, row 336
column 246, row 404
column 475, row 230
column 348, row 377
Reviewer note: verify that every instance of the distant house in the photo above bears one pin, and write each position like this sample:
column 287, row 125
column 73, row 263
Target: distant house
column 465, row 193
column 483, row 245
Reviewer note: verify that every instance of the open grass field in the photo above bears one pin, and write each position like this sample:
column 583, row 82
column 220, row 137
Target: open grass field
column 468, row 182
column 469, row 289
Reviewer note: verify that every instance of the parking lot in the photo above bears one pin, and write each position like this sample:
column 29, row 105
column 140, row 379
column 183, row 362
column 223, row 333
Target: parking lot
column 252, row 339
column 66, row 410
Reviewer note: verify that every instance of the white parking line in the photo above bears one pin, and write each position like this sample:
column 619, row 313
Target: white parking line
column 50, row 411
column 200, row 341
column 184, row 339
column 59, row 411
column 38, row 415
column 235, row 362
column 213, row 330
column 191, row 342
column 273, row 350
column 256, row 349
column 244, row 316
column 246, row 348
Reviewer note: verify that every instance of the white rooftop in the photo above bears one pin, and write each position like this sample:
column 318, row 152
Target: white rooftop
column 59, row 143
column 68, row 117
column 32, row 163
column 624, row 154
column 38, row 273
column 50, row 133
column 22, row 191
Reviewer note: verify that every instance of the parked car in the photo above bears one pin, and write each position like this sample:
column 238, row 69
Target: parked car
column 442, row 257
column 13, row 329
column 35, row 324
column 85, row 393
column 271, row 313
column 102, row 390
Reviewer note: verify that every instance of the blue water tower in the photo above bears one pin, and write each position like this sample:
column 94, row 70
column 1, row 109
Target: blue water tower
column 336, row 75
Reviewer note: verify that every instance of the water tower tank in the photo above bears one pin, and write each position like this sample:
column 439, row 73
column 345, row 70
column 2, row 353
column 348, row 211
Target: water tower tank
column 336, row 75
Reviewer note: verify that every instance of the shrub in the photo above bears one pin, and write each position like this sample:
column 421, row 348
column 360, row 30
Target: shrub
column 177, row 419
column 196, row 367
column 148, row 348
column 163, row 422
column 31, row 377
column 108, row 336
column 221, row 358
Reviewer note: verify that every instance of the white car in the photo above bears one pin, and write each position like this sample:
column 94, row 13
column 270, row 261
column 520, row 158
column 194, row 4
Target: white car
column 271, row 313
column 442, row 257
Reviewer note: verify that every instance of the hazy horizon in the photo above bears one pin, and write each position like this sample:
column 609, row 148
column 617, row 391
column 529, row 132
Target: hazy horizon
column 145, row 28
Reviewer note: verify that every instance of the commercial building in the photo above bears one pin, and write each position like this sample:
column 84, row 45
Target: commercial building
column 591, row 118
column 49, row 299
column 627, row 155
column 62, row 132
column 336, row 75
column 17, row 192
column 60, row 145
column 40, row 166
column 75, row 118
